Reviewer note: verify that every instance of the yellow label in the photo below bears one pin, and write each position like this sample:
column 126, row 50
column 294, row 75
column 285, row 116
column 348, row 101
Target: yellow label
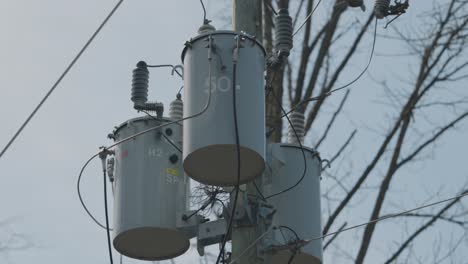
column 172, row 171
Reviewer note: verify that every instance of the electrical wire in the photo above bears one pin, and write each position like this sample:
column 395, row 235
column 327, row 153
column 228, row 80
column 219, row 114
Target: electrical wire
column 356, row 226
column 205, row 21
column 367, row 66
column 344, row 86
column 268, row 3
column 59, row 80
column 307, row 18
column 238, row 161
column 79, row 192
column 174, row 68
column 164, row 136
column 304, row 173
column 290, row 230
column 253, row 243
column 106, row 210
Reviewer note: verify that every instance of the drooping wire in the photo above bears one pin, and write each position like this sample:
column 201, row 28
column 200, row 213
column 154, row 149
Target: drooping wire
column 106, row 210
column 344, row 86
column 59, row 80
column 268, row 3
column 307, row 18
column 238, row 152
column 253, row 244
column 205, row 21
column 356, row 226
column 304, row 173
column 164, row 136
column 367, row 65
column 79, row 192
column 207, row 105
column 174, row 68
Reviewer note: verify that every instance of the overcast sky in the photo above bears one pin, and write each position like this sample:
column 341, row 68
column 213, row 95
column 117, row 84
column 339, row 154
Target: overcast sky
column 38, row 174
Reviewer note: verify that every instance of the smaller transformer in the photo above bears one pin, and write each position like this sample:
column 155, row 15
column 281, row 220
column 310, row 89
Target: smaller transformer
column 297, row 210
column 151, row 191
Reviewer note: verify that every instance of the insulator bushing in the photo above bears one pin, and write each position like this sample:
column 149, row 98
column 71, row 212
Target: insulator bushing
column 283, row 32
column 140, row 84
column 298, row 123
column 381, row 8
column 176, row 109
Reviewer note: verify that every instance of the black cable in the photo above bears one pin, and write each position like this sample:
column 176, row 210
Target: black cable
column 259, row 192
column 271, row 7
column 307, row 18
column 300, row 146
column 367, row 66
column 165, row 137
column 236, row 128
column 106, row 210
column 290, row 230
column 174, row 68
column 344, row 86
column 172, row 143
column 70, row 66
column 79, row 192
column 205, row 21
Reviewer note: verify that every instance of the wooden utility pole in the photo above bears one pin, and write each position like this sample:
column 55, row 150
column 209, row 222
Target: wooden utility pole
column 247, row 17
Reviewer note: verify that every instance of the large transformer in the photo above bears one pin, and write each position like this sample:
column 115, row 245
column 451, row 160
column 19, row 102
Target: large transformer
column 209, row 139
column 297, row 210
column 151, row 191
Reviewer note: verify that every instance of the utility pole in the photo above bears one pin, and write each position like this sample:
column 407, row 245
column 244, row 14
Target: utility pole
column 247, row 17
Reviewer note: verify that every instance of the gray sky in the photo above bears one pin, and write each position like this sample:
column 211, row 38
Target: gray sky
column 38, row 187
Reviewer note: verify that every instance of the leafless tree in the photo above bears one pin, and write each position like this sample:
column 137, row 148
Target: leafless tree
column 325, row 50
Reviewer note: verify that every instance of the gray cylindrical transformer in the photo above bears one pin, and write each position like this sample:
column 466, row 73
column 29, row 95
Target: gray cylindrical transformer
column 150, row 192
column 209, row 139
column 297, row 209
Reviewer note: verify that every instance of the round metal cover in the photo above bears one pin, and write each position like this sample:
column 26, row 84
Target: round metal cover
column 151, row 243
column 216, row 165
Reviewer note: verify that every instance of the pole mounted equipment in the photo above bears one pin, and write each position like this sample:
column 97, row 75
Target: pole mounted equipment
column 209, row 140
column 283, row 33
column 382, row 8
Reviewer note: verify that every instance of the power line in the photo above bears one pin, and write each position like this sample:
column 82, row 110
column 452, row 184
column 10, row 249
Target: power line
column 205, row 21
column 307, row 18
column 368, row 63
column 79, row 192
column 106, row 211
column 357, row 226
column 304, row 173
column 268, row 3
column 344, row 86
column 238, row 151
column 70, row 66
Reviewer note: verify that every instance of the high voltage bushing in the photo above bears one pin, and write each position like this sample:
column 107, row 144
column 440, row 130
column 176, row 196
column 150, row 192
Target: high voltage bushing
column 297, row 126
column 176, row 108
column 381, row 8
column 298, row 209
column 140, row 83
column 151, row 192
column 283, row 33
column 209, row 139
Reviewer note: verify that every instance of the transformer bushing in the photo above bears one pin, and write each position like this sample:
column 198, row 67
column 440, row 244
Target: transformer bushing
column 151, row 192
column 298, row 211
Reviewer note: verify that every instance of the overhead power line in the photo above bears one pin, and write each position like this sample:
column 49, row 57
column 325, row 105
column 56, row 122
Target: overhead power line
column 458, row 197
column 70, row 66
column 307, row 18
